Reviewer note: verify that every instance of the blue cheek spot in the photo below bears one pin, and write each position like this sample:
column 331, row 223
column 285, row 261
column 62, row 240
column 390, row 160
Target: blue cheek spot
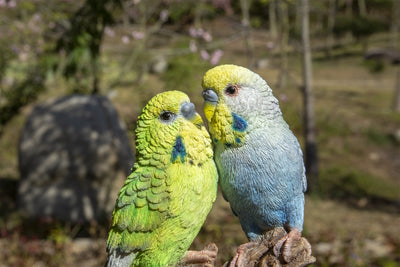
column 178, row 150
column 238, row 140
column 215, row 140
column 239, row 124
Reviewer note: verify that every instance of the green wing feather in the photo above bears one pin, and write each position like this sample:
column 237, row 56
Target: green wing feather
column 141, row 207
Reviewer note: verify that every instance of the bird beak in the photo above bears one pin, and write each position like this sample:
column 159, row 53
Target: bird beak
column 210, row 96
column 210, row 102
column 188, row 111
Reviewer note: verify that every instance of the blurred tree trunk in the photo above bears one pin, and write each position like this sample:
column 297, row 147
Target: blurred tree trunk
column 126, row 5
column 395, row 27
column 362, row 7
column 198, row 12
column 140, row 54
column 309, row 115
column 319, row 19
column 349, row 8
column 329, row 26
column 272, row 19
column 94, row 64
column 284, row 38
column 245, row 7
column 396, row 100
column 297, row 26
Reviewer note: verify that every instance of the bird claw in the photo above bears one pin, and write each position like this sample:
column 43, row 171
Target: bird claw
column 205, row 257
column 240, row 258
column 287, row 246
column 275, row 248
column 278, row 245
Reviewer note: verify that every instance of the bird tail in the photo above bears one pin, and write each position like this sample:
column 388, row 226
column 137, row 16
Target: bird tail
column 119, row 259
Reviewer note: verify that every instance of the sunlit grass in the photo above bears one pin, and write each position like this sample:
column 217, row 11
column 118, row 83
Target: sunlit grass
column 348, row 182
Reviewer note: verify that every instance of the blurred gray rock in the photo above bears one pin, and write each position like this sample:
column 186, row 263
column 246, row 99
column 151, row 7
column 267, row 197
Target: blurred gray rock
column 74, row 156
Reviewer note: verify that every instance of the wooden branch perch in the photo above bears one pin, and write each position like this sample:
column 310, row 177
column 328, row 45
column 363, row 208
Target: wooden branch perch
column 261, row 254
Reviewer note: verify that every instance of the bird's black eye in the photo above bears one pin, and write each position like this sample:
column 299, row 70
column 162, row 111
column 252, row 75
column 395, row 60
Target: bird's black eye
column 167, row 116
column 231, row 90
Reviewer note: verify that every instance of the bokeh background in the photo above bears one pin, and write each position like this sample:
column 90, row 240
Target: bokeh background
column 117, row 54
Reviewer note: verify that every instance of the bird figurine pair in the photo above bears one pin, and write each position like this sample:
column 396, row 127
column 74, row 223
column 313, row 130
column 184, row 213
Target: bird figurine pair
column 166, row 199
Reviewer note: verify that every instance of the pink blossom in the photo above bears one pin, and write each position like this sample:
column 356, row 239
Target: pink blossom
column 137, row 35
column 207, row 37
column 33, row 23
column 200, row 32
column 3, row 3
column 52, row 25
column 164, row 15
column 109, row 32
column 36, row 17
column 192, row 32
column 125, row 39
column 283, row 98
column 192, row 46
column 12, row 4
column 270, row 45
column 204, row 55
column 197, row 32
column 216, row 57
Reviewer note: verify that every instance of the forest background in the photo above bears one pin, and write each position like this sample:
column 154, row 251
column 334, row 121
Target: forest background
column 130, row 50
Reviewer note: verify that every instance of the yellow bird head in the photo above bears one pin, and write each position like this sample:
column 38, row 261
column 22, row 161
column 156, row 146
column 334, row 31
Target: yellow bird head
column 169, row 130
column 236, row 101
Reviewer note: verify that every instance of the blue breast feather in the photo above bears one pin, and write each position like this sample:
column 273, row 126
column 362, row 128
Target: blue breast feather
column 264, row 180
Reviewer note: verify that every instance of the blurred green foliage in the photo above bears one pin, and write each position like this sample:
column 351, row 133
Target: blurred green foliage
column 69, row 37
column 185, row 73
column 21, row 94
column 26, row 43
column 374, row 66
column 360, row 27
column 81, row 42
column 381, row 138
column 346, row 182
